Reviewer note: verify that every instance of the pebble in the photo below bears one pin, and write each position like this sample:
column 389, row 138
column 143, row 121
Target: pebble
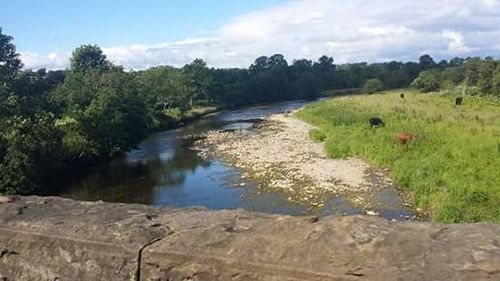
column 4, row 199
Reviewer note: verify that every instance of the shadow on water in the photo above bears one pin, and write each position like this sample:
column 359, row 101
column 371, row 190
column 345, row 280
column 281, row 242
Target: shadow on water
column 164, row 170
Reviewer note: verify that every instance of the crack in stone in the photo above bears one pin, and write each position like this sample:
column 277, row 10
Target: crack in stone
column 169, row 231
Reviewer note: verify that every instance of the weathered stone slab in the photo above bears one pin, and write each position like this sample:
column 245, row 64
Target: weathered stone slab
column 60, row 239
column 342, row 248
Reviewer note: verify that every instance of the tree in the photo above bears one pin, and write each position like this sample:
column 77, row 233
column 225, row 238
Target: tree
column 456, row 61
column 277, row 60
column 29, row 142
column 307, row 86
column 89, row 57
column 107, row 114
column 260, row 64
column 426, row 62
column 10, row 64
column 200, row 79
column 324, row 64
column 426, row 82
column 300, row 67
column 163, row 87
column 373, row 85
column 29, row 151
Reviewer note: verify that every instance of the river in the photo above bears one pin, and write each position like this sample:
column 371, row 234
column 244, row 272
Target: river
column 166, row 171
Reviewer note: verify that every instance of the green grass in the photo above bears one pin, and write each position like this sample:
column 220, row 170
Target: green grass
column 317, row 135
column 176, row 115
column 452, row 169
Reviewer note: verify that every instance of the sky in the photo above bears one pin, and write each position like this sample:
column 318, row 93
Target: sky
column 232, row 33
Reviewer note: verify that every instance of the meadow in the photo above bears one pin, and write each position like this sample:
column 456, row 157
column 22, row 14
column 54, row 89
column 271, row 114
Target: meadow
column 452, row 168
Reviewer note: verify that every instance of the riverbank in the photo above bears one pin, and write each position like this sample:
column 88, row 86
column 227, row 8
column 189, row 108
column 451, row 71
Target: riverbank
column 279, row 154
column 452, row 164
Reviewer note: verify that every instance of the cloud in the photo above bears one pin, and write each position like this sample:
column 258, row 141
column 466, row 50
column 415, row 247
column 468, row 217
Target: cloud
column 455, row 42
column 350, row 31
column 54, row 60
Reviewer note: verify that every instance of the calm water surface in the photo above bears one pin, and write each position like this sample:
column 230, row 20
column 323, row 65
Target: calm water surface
column 165, row 170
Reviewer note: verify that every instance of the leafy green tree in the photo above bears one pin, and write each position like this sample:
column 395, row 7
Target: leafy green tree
column 456, row 61
column 426, row 82
column 10, row 64
column 307, row 86
column 162, row 88
column 29, row 151
column 372, row 86
column 29, row 142
column 89, row 57
column 426, row 62
column 200, row 80
column 261, row 64
column 104, row 112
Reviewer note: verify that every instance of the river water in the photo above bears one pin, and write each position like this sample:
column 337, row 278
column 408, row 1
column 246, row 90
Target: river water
column 165, row 170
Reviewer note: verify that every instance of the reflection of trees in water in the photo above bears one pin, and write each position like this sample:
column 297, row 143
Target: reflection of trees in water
column 122, row 181
column 172, row 172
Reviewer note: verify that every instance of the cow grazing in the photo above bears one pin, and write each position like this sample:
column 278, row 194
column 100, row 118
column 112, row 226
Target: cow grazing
column 405, row 137
column 458, row 101
column 376, row 122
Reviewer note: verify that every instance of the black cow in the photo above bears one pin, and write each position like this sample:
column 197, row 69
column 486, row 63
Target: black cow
column 376, row 122
column 458, row 101
column 402, row 96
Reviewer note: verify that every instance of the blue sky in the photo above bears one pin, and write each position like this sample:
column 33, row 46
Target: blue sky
column 140, row 34
column 48, row 25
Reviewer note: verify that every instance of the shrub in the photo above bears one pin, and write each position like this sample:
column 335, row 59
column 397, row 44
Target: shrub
column 427, row 81
column 372, row 86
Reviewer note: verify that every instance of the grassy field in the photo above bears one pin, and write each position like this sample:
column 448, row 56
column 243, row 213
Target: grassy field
column 452, row 168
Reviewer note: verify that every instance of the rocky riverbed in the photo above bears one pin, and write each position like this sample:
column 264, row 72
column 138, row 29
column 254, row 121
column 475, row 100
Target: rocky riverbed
column 279, row 154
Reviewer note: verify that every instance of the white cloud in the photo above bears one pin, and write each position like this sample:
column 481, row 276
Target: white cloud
column 54, row 60
column 354, row 30
column 455, row 42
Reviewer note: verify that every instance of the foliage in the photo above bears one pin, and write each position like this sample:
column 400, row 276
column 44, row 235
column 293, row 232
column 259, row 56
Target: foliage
column 372, row 86
column 10, row 63
column 109, row 115
column 89, row 58
column 426, row 82
column 163, row 88
column 451, row 169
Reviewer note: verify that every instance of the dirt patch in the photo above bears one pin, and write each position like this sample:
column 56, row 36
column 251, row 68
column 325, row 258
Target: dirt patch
column 279, row 153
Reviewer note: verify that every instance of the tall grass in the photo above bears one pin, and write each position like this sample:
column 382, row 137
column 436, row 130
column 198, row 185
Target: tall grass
column 452, row 168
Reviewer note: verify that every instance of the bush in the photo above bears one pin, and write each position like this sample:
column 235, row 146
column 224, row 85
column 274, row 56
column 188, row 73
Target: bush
column 372, row 86
column 427, row 81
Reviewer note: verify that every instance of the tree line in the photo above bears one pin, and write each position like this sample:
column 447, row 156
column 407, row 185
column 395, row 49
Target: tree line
column 53, row 121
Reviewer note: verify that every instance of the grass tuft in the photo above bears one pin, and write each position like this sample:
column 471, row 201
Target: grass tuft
column 317, row 135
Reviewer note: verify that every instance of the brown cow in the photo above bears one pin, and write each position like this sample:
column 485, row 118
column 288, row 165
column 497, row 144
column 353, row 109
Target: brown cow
column 405, row 137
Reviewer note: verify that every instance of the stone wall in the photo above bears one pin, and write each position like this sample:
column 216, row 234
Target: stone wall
column 49, row 238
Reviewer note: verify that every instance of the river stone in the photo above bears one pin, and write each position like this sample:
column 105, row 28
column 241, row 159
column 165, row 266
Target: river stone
column 60, row 239
column 4, row 199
